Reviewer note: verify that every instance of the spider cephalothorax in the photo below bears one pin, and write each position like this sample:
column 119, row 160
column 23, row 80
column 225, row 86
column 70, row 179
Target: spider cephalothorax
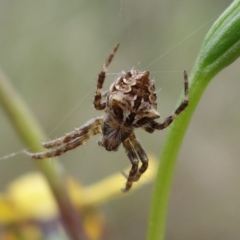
column 130, row 103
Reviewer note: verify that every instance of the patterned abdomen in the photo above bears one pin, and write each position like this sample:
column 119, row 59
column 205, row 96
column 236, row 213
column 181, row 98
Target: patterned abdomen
column 132, row 98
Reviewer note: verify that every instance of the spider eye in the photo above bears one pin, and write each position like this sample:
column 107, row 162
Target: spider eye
column 118, row 112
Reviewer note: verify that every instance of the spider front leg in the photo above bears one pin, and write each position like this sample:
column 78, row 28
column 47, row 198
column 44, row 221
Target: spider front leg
column 70, row 141
column 101, row 77
column 134, row 151
column 84, row 130
column 159, row 126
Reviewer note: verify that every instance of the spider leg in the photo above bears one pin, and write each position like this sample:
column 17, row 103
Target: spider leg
column 134, row 161
column 159, row 126
column 148, row 128
column 101, row 77
column 93, row 128
column 91, row 125
column 142, row 156
column 134, row 151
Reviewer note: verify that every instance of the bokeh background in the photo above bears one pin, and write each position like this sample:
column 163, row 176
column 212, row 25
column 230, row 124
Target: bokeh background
column 52, row 52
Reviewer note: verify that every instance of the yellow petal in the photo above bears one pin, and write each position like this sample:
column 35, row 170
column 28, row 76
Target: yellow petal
column 109, row 187
column 8, row 210
column 32, row 197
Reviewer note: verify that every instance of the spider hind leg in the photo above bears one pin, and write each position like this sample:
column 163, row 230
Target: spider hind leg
column 134, row 161
column 134, row 151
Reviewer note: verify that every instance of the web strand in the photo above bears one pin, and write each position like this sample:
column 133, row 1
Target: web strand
column 179, row 43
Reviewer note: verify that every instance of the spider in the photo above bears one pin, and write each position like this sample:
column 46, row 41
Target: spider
column 130, row 103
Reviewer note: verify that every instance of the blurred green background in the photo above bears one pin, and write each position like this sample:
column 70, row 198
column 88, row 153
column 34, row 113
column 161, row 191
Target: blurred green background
column 52, row 52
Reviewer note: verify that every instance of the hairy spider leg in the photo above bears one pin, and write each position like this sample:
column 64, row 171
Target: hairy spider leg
column 159, row 126
column 131, row 153
column 142, row 156
column 94, row 127
column 78, row 132
column 101, row 77
column 134, row 151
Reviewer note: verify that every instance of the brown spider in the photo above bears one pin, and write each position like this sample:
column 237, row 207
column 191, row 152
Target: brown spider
column 130, row 103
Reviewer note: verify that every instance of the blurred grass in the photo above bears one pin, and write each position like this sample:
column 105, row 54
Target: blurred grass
column 53, row 51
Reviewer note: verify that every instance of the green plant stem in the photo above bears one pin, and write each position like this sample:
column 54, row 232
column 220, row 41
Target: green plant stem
column 220, row 48
column 29, row 131
column 167, row 164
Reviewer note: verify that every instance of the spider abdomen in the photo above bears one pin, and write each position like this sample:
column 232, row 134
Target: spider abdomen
column 132, row 97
